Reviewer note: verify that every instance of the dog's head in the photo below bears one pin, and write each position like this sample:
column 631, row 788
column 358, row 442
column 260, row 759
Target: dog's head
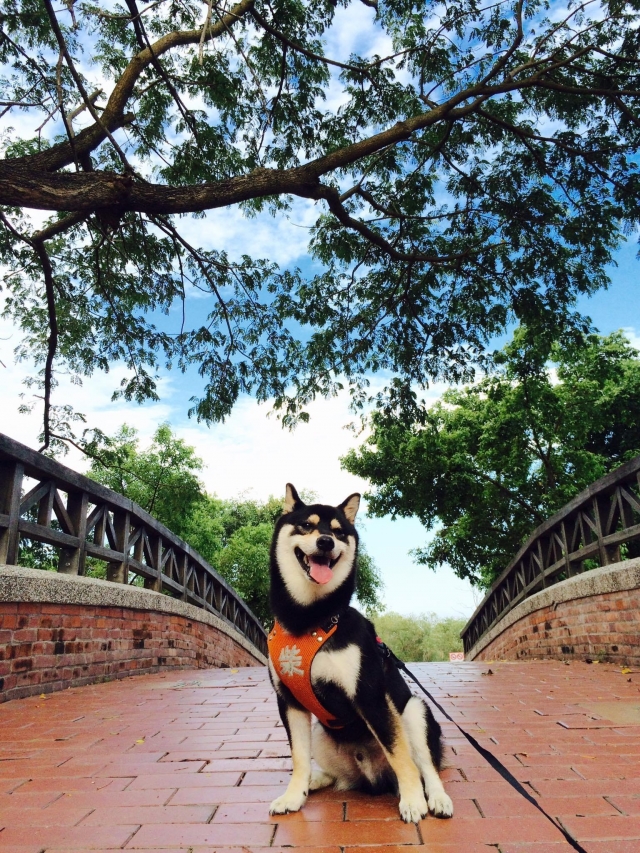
column 315, row 547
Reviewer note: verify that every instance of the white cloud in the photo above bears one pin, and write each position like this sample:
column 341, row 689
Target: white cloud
column 252, row 452
column 633, row 335
column 92, row 398
column 282, row 239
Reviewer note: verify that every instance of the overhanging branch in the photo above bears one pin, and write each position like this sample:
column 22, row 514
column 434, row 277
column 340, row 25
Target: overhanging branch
column 332, row 197
column 113, row 115
column 29, row 182
column 37, row 245
column 52, row 341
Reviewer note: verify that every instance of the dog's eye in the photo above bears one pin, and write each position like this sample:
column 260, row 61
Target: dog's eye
column 306, row 526
column 341, row 535
column 359, row 757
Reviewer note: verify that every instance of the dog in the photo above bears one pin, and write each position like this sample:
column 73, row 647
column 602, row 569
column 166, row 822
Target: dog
column 324, row 658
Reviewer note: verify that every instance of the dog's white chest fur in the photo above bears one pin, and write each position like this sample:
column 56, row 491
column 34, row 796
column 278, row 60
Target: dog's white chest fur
column 341, row 668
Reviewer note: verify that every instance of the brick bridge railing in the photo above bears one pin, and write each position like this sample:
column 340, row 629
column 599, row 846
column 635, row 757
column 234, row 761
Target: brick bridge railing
column 42, row 500
column 593, row 526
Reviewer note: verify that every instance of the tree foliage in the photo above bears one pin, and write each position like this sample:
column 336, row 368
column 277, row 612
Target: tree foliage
column 419, row 638
column 234, row 536
column 489, row 462
column 471, row 164
column 162, row 479
column 244, row 562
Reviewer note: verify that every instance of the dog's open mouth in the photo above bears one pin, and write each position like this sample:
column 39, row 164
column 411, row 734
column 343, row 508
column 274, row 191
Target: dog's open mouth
column 319, row 567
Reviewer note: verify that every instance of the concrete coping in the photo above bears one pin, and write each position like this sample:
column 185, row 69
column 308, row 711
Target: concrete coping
column 614, row 578
column 20, row 584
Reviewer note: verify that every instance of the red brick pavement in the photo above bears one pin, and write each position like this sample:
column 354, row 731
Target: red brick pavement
column 188, row 762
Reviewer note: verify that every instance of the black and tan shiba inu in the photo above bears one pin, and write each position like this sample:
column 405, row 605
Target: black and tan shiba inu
column 372, row 733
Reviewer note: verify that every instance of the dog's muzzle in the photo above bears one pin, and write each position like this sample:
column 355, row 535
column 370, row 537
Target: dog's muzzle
column 318, row 566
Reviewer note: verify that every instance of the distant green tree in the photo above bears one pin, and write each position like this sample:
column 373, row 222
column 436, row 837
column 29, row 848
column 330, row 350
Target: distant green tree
column 213, row 521
column 419, row 638
column 163, row 479
column 38, row 555
column 244, row 562
column 369, row 584
column 489, row 462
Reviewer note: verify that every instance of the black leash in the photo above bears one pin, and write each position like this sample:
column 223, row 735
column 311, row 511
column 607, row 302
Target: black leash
column 491, row 759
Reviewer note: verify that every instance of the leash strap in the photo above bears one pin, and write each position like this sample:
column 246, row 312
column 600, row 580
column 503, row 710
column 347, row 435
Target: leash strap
column 497, row 765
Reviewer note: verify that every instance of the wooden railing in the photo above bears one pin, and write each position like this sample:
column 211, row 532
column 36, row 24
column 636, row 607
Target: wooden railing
column 93, row 521
column 591, row 527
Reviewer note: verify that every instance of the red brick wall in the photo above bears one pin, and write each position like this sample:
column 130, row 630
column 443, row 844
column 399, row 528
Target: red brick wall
column 600, row 627
column 46, row 647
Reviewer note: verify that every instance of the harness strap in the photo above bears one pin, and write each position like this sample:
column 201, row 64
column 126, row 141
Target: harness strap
column 292, row 657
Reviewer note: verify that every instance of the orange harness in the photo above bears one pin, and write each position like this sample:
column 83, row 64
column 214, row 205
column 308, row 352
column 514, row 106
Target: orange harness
column 292, row 657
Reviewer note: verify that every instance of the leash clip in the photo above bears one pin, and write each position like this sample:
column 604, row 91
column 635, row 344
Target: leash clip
column 385, row 651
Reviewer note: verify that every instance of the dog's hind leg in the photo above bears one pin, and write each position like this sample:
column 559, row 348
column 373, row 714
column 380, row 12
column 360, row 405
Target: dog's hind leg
column 337, row 763
column 385, row 723
column 323, row 751
column 416, row 724
column 320, row 779
column 298, row 726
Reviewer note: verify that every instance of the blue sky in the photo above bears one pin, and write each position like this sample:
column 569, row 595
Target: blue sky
column 619, row 306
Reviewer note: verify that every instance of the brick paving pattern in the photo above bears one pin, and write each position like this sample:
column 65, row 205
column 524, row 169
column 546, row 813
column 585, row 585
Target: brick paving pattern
column 188, row 762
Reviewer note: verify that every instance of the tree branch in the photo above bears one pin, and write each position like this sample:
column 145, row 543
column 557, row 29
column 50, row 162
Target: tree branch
column 83, row 92
column 23, row 184
column 59, row 227
column 624, row 109
column 52, row 343
column 514, row 496
column 294, row 45
column 113, row 116
column 332, row 197
column 144, row 43
column 202, row 264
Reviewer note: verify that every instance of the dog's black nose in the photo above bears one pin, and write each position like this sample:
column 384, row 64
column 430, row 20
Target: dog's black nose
column 325, row 543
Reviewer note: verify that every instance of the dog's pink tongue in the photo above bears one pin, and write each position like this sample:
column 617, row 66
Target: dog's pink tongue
column 320, row 572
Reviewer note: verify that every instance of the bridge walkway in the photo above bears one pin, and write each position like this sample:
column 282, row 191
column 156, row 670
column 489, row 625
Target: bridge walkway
column 187, row 762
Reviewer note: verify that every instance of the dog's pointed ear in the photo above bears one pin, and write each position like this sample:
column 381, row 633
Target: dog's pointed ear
column 350, row 507
column 291, row 499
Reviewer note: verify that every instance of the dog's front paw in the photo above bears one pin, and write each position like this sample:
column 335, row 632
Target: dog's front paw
column 288, row 802
column 440, row 804
column 413, row 809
